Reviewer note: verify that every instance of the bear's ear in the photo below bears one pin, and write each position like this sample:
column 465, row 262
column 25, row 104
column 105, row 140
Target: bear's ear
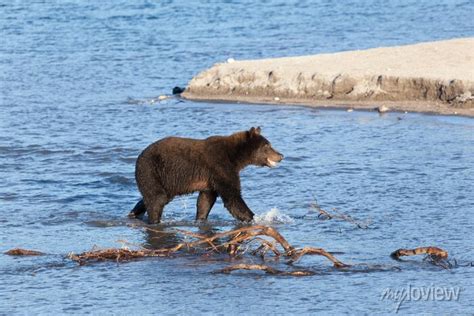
column 255, row 131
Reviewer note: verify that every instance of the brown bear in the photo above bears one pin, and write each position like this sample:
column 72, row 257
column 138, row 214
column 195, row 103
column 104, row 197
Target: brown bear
column 174, row 166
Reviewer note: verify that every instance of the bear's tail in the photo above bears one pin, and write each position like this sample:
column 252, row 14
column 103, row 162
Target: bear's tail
column 138, row 210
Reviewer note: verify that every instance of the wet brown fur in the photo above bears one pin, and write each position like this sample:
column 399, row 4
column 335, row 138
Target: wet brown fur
column 175, row 166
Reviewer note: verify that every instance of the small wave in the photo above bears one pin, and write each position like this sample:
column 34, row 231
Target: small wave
column 158, row 99
column 106, row 223
column 274, row 216
column 9, row 196
column 116, row 179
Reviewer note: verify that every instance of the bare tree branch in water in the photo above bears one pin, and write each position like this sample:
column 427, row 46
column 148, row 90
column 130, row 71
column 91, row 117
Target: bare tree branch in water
column 337, row 215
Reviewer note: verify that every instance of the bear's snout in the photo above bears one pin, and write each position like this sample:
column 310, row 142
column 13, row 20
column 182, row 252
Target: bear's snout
column 274, row 158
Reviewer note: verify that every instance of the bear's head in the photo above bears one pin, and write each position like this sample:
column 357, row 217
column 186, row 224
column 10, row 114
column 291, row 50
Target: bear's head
column 261, row 151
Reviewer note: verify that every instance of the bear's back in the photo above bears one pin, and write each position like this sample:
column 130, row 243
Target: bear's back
column 169, row 145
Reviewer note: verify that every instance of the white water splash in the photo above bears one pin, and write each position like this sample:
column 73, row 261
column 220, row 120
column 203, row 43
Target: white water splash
column 274, row 216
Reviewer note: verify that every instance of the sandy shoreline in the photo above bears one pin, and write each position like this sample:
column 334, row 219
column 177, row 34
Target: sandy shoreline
column 435, row 77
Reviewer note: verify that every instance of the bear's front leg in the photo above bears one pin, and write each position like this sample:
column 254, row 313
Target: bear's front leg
column 205, row 202
column 234, row 202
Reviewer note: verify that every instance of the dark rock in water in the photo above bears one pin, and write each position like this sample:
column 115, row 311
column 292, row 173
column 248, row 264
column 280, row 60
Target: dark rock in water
column 178, row 90
column 23, row 252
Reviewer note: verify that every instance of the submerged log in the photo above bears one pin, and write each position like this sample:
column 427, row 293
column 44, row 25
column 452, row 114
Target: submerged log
column 434, row 252
column 265, row 268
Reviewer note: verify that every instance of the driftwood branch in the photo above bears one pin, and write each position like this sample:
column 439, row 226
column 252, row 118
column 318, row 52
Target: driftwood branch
column 337, row 215
column 433, row 252
column 297, row 254
column 435, row 255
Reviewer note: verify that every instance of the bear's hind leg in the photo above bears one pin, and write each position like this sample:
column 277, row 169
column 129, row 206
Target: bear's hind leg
column 154, row 194
column 205, row 202
column 155, row 207
column 138, row 210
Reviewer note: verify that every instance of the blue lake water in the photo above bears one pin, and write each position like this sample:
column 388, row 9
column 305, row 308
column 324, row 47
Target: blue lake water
column 77, row 80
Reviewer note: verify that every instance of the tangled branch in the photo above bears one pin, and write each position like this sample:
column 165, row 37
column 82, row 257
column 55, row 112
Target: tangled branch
column 236, row 242
column 297, row 254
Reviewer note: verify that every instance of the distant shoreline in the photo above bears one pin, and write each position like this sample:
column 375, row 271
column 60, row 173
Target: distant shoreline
column 393, row 106
column 435, row 77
